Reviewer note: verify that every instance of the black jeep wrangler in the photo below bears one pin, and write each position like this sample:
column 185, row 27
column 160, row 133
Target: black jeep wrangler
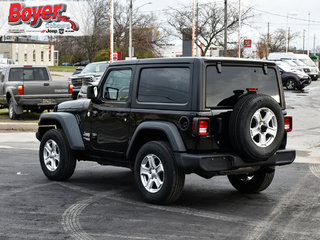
column 165, row 118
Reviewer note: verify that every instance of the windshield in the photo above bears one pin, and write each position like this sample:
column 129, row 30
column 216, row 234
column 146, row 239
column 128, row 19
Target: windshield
column 285, row 67
column 224, row 88
column 299, row 63
column 289, row 62
column 307, row 62
column 95, row 68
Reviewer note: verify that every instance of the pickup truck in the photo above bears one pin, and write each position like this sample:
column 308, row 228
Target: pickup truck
column 30, row 87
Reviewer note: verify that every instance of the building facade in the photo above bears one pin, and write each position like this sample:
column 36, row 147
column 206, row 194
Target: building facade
column 30, row 53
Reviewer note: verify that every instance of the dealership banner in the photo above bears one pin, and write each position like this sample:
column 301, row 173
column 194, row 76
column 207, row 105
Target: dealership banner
column 45, row 18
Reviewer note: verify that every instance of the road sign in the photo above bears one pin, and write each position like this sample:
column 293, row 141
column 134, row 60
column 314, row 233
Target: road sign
column 247, row 43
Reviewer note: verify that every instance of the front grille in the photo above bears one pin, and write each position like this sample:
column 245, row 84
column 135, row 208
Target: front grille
column 77, row 82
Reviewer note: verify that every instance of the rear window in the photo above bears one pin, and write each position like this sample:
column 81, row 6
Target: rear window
column 222, row 89
column 28, row 74
column 164, row 85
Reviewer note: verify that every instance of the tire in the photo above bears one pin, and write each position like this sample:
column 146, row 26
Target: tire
column 256, row 127
column 12, row 113
column 291, row 84
column 61, row 168
column 157, row 176
column 254, row 182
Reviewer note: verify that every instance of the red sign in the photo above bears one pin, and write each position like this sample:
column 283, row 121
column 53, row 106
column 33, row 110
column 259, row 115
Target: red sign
column 116, row 56
column 34, row 16
column 247, row 43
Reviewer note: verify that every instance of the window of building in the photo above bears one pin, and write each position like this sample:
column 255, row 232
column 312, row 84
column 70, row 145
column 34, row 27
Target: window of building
column 42, row 56
column 34, row 55
column 25, row 57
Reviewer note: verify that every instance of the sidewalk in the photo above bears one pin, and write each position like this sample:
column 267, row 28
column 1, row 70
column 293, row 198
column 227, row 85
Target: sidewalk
column 27, row 127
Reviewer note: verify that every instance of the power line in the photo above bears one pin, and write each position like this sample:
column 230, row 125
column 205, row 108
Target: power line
column 285, row 16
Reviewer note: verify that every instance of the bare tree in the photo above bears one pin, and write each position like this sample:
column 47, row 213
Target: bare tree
column 274, row 42
column 211, row 26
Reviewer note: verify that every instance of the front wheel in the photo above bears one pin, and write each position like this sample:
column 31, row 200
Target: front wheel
column 56, row 158
column 252, row 182
column 156, row 173
column 290, row 84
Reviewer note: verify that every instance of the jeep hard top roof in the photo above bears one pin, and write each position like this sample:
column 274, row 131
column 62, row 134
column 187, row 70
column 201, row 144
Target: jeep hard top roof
column 192, row 60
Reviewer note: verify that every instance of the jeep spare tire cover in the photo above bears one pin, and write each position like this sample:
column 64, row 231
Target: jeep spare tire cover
column 256, row 127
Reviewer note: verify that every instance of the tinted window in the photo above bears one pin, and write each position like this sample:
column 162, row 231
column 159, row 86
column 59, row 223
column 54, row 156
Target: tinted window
column 164, row 85
column 117, row 85
column 95, row 68
column 223, row 89
column 28, row 74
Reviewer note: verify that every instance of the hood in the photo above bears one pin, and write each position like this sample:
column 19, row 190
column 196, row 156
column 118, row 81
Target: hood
column 74, row 106
column 87, row 75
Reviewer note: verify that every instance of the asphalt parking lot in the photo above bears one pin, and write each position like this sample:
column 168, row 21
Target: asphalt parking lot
column 103, row 203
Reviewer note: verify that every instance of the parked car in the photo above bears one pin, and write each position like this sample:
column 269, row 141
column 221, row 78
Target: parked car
column 91, row 74
column 165, row 118
column 293, row 79
column 6, row 62
column 78, row 70
column 310, row 68
column 66, row 64
column 82, row 63
column 27, row 87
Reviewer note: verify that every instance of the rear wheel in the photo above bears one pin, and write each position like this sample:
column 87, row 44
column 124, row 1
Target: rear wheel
column 252, row 182
column 156, row 173
column 12, row 113
column 290, row 84
column 57, row 160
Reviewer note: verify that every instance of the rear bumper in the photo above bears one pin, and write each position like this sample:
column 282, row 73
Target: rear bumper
column 217, row 163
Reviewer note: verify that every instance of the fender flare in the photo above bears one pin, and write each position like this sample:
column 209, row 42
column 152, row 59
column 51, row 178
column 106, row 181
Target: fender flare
column 168, row 128
column 69, row 125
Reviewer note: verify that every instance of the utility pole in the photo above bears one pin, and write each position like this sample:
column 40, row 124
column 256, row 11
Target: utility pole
column 111, row 31
column 239, row 43
column 193, row 25
column 304, row 35
column 225, row 50
column 130, row 30
column 308, row 33
column 314, row 45
column 288, row 38
column 197, row 30
column 268, row 40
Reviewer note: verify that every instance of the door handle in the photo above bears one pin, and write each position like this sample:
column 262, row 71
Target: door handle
column 121, row 114
column 46, row 84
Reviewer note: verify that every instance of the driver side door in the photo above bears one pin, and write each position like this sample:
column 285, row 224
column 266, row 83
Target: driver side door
column 110, row 116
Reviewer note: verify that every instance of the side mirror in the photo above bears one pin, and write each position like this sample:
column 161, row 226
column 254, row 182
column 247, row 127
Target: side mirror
column 92, row 92
column 112, row 93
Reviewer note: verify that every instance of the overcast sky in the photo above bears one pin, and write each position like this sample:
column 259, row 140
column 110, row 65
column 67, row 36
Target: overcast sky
column 274, row 11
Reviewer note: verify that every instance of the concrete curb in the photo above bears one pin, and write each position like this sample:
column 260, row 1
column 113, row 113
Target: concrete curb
column 30, row 127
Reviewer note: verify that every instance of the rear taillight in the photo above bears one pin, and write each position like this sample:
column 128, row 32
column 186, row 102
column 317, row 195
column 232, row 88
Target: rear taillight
column 70, row 88
column 288, row 124
column 201, row 126
column 20, row 89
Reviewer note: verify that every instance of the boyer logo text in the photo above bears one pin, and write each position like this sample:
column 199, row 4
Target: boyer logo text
column 35, row 16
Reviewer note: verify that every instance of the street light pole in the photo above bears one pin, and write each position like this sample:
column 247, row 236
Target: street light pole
column 193, row 28
column 225, row 28
column 111, row 31
column 239, row 43
column 130, row 30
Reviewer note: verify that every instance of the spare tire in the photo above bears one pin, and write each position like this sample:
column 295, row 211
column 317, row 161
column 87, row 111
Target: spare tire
column 256, row 127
